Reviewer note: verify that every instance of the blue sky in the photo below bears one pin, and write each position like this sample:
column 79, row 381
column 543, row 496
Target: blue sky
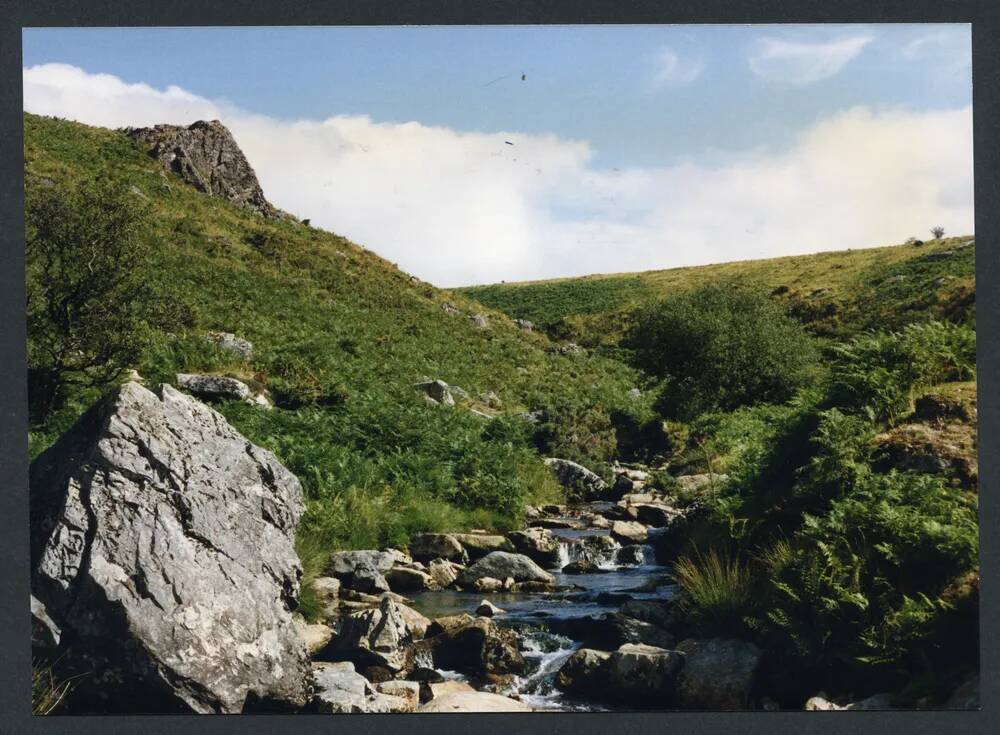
column 652, row 106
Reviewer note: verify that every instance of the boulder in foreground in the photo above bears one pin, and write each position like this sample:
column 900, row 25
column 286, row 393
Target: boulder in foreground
column 162, row 546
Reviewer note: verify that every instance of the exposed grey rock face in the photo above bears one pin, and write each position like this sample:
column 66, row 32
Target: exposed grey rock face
column 206, row 156
column 162, row 544
column 524, row 325
column 717, row 674
column 480, row 321
column 501, row 564
column 576, row 478
column 315, row 635
column 339, row 689
column 232, row 343
column 327, row 590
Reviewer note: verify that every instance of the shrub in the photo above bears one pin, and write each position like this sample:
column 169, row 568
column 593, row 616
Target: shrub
column 938, row 232
column 89, row 299
column 721, row 346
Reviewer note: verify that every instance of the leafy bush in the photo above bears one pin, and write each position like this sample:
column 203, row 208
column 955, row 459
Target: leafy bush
column 89, row 299
column 876, row 374
column 722, row 346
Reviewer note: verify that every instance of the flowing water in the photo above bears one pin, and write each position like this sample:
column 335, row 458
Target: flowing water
column 531, row 613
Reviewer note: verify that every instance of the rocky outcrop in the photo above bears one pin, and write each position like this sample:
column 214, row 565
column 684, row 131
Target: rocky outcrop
column 162, row 545
column 206, row 156
column 579, row 482
column 501, row 565
column 718, row 674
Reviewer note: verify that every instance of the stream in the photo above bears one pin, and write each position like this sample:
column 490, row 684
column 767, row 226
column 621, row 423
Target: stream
column 533, row 612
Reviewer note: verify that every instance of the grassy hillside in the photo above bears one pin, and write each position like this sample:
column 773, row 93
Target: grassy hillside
column 834, row 293
column 340, row 337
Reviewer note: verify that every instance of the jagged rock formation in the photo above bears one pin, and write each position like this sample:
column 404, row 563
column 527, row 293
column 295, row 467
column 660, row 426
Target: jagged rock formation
column 162, row 546
column 206, row 156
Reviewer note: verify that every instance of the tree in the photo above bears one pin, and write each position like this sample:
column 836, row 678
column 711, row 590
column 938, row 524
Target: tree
column 938, row 232
column 89, row 300
column 721, row 346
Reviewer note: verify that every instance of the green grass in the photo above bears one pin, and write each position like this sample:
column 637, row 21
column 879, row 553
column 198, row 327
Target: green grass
column 340, row 336
column 835, row 293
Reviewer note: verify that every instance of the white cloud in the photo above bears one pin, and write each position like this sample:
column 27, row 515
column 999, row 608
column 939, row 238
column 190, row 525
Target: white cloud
column 799, row 62
column 948, row 49
column 456, row 208
column 674, row 71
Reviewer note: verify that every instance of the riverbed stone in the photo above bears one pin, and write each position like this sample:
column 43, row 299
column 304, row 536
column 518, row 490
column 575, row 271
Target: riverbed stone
column 406, row 579
column 444, row 572
column 580, row 482
column 478, row 545
column 629, row 532
column 584, row 672
column 429, row 546
column 718, row 673
column 316, row 636
column 538, row 544
column 475, row 646
column 500, row 565
column 488, row 610
column 641, row 674
column 375, row 637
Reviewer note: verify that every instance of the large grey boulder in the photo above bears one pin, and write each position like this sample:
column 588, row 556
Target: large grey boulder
column 501, row 565
column 162, row 545
column 214, row 386
column 718, row 673
column 580, row 482
column 206, row 156
column 339, row 689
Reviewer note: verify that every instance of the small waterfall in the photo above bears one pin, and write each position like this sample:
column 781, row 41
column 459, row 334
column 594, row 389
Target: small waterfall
column 599, row 550
column 548, row 652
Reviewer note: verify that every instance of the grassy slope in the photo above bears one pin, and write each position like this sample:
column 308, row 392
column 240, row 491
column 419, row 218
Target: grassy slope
column 336, row 323
column 836, row 293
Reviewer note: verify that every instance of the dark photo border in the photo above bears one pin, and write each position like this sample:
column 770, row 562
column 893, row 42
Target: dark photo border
column 15, row 652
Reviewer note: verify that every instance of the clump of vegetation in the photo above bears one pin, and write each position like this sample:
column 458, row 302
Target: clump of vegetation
column 90, row 306
column 720, row 347
column 878, row 373
column 716, row 590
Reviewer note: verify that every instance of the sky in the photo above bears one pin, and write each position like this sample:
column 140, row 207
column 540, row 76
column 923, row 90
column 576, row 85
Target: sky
column 480, row 154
